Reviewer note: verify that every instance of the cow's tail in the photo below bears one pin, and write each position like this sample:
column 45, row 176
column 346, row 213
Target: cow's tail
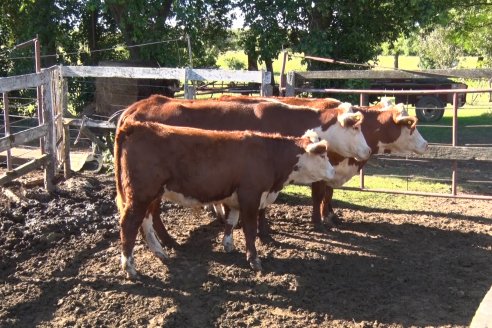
column 118, row 142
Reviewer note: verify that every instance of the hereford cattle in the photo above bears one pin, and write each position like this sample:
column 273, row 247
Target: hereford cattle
column 338, row 124
column 387, row 130
column 194, row 167
column 335, row 123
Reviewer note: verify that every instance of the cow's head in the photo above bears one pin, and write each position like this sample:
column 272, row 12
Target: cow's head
column 408, row 139
column 345, row 136
column 312, row 165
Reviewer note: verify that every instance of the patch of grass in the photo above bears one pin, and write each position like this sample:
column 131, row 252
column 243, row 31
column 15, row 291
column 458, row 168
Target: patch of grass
column 294, row 63
column 382, row 201
column 412, row 62
column 473, row 126
column 373, row 200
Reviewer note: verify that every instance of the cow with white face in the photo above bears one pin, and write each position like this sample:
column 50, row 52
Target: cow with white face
column 387, row 129
column 336, row 123
column 193, row 167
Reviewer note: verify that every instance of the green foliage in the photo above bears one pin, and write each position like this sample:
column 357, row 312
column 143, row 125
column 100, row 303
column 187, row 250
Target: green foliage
column 471, row 29
column 235, row 63
column 437, row 50
column 403, row 45
column 342, row 30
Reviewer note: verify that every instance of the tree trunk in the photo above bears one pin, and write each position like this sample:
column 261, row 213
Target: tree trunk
column 252, row 61
column 126, row 28
column 269, row 68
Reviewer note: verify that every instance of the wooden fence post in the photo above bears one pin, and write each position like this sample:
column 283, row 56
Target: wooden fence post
column 65, row 153
column 266, row 88
column 50, row 164
column 6, row 120
column 290, row 88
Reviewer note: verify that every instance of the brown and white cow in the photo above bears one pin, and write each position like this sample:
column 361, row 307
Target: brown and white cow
column 387, row 130
column 335, row 123
column 194, row 167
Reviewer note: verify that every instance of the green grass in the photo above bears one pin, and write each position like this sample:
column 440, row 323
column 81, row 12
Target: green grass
column 296, row 194
column 294, row 63
column 473, row 126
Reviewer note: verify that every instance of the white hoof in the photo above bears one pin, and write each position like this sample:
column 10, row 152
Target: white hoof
column 228, row 243
column 128, row 266
column 255, row 264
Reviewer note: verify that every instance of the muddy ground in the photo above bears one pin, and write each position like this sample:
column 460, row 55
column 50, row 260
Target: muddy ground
column 59, row 266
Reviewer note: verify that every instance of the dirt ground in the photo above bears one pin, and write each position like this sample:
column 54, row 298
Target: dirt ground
column 59, row 266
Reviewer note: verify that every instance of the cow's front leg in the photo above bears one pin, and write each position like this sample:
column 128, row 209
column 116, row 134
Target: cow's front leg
column 230, row 224
column 264, row 232
column 317, row 194
column 329, row 216
column 249, row 219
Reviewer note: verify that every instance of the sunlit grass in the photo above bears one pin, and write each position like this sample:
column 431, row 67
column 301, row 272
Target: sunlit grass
column 377, row 200
column 293, row 63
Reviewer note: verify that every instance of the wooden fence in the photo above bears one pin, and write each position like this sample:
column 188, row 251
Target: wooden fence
column 53, row 127
column 45, row 131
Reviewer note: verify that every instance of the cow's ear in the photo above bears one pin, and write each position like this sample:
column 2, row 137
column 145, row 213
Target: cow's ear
column 351, row 119
column 410, row 121
column 317, row 148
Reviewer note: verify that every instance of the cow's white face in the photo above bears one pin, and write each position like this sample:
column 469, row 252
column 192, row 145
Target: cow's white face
column 343, row 173
column 312, row 167
column 347, row 141
column 408, row 142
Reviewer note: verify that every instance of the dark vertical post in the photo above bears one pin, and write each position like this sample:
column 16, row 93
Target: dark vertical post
column 67, row 170
column 455, row 142
column 39, row 90
column 363, row 101
column 6, row 119
column 49, row 169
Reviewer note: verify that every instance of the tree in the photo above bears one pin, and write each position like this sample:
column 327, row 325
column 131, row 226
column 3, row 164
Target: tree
column 470, row 28
column 354, row 30
column 436, row 49
column 141, row 21
column 268, row 27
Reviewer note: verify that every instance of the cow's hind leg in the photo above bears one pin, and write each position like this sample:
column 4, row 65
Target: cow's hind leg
column 130, row 222
column 150, row 237
column 158, row 227
column 264, row 232
column 231, row 221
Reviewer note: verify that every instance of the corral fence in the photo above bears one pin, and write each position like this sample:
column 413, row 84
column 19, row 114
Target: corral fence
column 44, row 133
column 301, row 82
column 60, row 131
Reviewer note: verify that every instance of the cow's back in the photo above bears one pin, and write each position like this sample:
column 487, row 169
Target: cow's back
column 190, row 161
column 268, row 117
